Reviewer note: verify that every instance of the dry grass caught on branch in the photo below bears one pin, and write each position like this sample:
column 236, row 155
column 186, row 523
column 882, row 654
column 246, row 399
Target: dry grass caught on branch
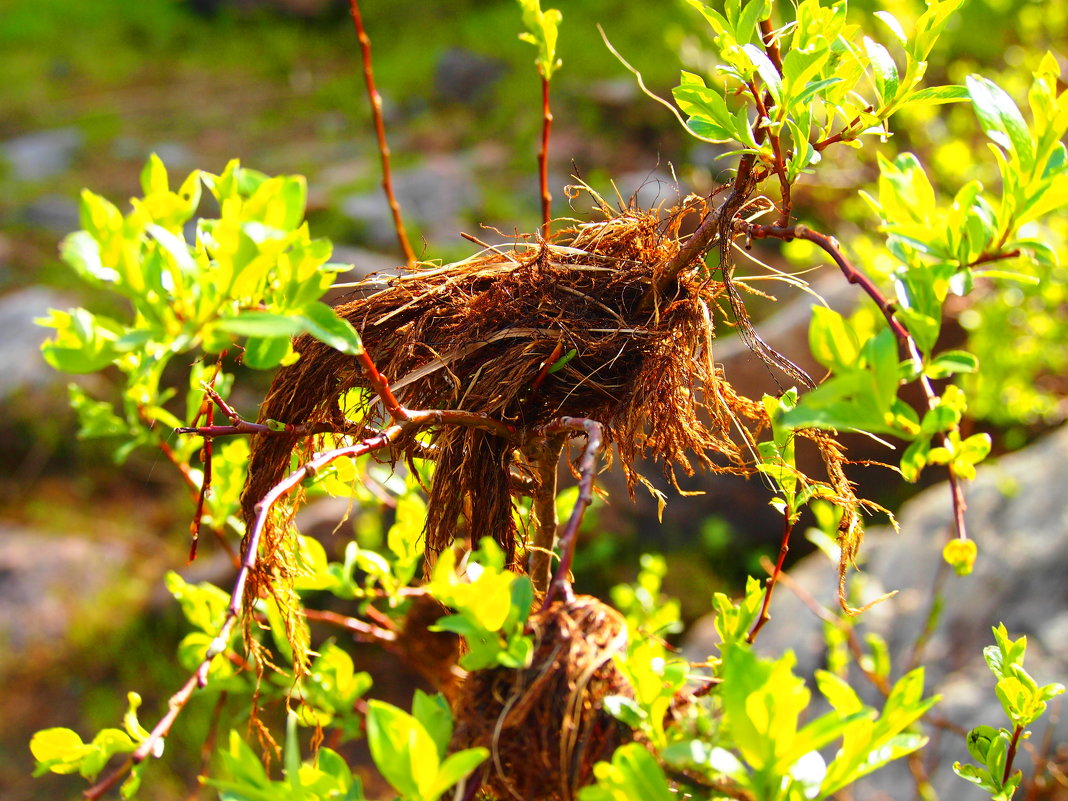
column 479, row 336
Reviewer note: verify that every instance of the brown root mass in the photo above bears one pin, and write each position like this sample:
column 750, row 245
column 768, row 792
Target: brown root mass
column 545, row 726
column 479, row 336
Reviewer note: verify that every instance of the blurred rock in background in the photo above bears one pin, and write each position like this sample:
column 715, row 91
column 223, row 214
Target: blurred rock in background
column 1018, row 515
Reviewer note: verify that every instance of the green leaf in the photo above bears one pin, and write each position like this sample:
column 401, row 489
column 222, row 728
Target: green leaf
column 57, row 750
column 763, row 700
column 868, row 745
column 95, row 418
column 811, row 90
column 322, row 322
column 434, row 713
column 261, row 324
column 842, row 698
column 1001, row 119
column 937, row 95
column 263, row 353
column 99, row 217
column 82, row 252
column 456, row 767
column 154, row 176
column 543, row 29
column 624, row 709
column 560, row 363
column 106, row 744
column 752, row 14
column 832, row 342
column 84, row 342
column 176, row 249
column 204, row 605
column 884, row 70
column 291, row 757
column 914, row 459
column 633, row 773
column 891, row 22
column 130, row 722
column 979, row 777
column 772, row 80
column 706, row 108
column 402, row 750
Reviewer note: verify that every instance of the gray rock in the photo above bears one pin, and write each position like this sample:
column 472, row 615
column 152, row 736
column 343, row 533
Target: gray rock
column 47, row 582
column 57, row 214
column 616, row 92
column 435, row 195
column 21, row 365
column 461, row 76
column 1018, row 515
column 42, row 154
column 175, row 155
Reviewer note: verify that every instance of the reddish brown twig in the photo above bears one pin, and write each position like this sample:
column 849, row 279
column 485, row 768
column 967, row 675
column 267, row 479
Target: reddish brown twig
column 827, row 616
column 175, row 705
column 183, row 468
column 202, row 496
column 712, row 227
column 405, row 420
column 239, row 425
column 219, row 644
column 361, row 629
column 771, row 43
column 207, row 411
column 784, row 548
column 830, row 247
column 956, row 492
column 543, row 159
column 986, row 258
column 854, row 276
column 1011, row 755
column 763, row 106
column 380, row 132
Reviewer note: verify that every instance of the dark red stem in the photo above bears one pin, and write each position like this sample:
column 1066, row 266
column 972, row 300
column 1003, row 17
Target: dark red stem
column 1011, row 756
column 701, row 240
column 380, row 132
column 784, row 548
column 829, row 246
column 543, row 159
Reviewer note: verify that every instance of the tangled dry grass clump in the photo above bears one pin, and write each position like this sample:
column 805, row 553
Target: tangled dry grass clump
column 545, row 725
column 524, row 335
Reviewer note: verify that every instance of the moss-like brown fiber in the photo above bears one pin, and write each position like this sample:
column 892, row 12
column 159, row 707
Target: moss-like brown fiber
column 479, row 335
column 476, row 336
column 545, row 725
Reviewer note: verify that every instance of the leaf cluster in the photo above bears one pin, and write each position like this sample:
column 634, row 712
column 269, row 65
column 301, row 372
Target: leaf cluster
column 1023, row 701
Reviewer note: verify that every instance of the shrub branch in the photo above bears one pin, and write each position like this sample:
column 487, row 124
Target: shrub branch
column 380, row 132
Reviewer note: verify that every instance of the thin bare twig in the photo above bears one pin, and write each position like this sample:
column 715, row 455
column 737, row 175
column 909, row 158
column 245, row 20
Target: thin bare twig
column 830, row 247
column 986, row 258
column 380, row 132
column 543, row 159
column 854, row 276
column 361, row 629
column 1011, row 756
column 207, row 411
column 784, row 548
column 405, row 420
column 177, row 702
